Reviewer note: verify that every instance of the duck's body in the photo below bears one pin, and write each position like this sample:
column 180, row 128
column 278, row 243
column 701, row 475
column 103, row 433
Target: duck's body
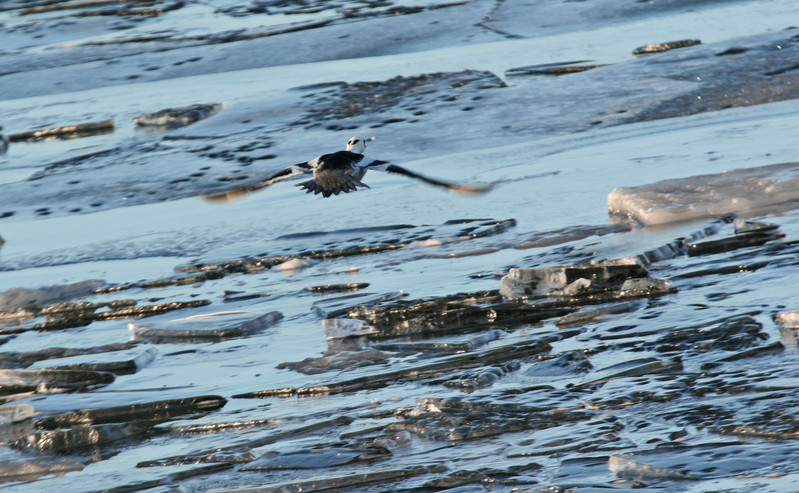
column 342, row 171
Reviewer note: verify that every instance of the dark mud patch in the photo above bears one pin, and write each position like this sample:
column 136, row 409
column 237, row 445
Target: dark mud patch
column 65, row 132
column 401, row 97
column 171, row 118
column 145, row 8
column 554, row 69
column 356, row 9
column 661, row 47
column 763, row 72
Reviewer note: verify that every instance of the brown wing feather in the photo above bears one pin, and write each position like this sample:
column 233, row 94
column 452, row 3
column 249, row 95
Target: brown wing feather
column 455, row 187
column 235, row 193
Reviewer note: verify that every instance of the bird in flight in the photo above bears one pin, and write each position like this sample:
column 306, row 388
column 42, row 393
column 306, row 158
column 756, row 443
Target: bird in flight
column 342, row 171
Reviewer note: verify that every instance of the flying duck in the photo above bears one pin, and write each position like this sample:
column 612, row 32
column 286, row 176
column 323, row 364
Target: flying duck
column 342, row 171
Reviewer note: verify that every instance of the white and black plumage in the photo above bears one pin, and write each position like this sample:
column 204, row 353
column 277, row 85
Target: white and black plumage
column 342, row 171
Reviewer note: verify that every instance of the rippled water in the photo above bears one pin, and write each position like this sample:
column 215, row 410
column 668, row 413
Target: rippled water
column 151, row 339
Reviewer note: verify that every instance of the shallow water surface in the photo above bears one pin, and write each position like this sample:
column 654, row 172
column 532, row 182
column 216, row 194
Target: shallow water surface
column 399, row 338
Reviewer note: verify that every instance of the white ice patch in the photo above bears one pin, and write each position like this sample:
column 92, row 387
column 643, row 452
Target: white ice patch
column 788, row 319
column 568, row 280
column 435, row 242
column 698, row 197
column 293, row 266
column 789, row 326
column 632, row 469
column 39, row 297
column 341, row 328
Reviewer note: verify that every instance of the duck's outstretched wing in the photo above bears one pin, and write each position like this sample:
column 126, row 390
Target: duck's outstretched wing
column 235, row 193
column 453, row 187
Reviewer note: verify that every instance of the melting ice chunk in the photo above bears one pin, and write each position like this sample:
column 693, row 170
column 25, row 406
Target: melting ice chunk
column 696, row 197
column 569, row 280
column 39, row 297
column 628, row 468
column 170, row 118
column 341, row 328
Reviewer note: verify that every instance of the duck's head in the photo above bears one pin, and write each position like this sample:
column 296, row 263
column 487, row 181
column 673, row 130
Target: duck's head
column 356, row 144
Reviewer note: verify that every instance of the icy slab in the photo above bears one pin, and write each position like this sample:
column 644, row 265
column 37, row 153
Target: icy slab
column 341, row 328
column 552, row 68
column 341, row 361
column 67, row 132
column 92, row 429
column 628, row 468
column 315, row 458
column 435, row 368
column 39, row 297
column 13, row 470
column 568, row 364
column 737, row 191
column 46, row 380
column 83, row 438
column 158, row 410
column 741, row 239
column 633, row 368
column 742, row 226
column 341, row 305
column 343, row 482
column 117, row 362
column 236, row 324
column 442, row 346
column 14, row 413
column 568, row 280
column 593, row 315
column 170, row 118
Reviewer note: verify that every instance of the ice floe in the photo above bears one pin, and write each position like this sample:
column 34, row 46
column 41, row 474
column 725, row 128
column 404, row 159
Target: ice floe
column 739, row 191
column 45, row 295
